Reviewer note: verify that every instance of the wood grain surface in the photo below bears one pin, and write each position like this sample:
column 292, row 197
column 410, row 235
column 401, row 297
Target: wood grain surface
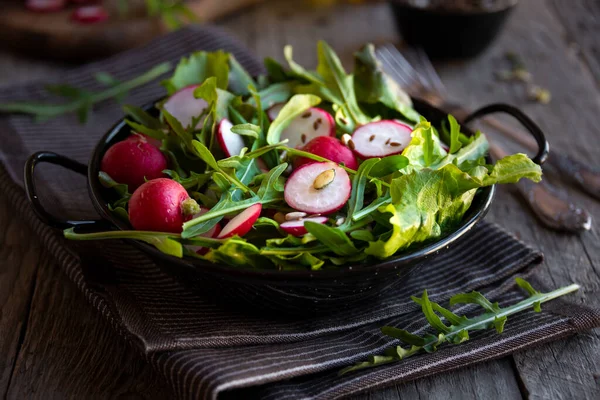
column 53, row 344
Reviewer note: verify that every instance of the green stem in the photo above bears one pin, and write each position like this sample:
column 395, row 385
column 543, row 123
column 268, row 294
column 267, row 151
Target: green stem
column 370, row 208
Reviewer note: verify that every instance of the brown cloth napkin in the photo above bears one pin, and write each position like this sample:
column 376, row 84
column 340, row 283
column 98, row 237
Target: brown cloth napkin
column 203, row 350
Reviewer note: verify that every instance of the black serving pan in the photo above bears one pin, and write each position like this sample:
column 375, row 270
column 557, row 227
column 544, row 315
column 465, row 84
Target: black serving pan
column 298, row 292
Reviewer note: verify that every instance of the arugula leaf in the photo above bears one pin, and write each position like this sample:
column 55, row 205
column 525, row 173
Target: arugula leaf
column 274, row 94
column 142, row 117
column 153, row 133
column 202, row 151
column 198, row 67
column 335, row 239
column 359, row 182
column 458, row 330
column 250, row 130
column 373, row 85
column 81, row 100
column 296, row 106
column 110, row 183
column 239, row 78
column 388, row 165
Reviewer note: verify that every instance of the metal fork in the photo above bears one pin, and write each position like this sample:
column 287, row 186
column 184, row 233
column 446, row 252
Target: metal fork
column 423, row 82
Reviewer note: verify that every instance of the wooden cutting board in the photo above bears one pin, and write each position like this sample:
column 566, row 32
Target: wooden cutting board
column 56, row 36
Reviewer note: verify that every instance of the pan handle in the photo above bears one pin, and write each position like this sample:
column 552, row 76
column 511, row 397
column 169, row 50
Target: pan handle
column 534, row 130
column 30, row 190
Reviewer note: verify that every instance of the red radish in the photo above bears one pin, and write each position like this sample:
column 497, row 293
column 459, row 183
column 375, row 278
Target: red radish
column 140, row 136
column 231, row 143
column 212, row 233
column 133, row 161
column 297, row 228
column 318, row 188
column 90, row 14
column 308, row 125
column 273, row 112
column 381, row 139
column 161, row 205
column 241, row 223
column 45, row 6
column 330, row 148
column 184, row 106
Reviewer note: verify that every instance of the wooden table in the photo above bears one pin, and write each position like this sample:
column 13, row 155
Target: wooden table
column 54, row 345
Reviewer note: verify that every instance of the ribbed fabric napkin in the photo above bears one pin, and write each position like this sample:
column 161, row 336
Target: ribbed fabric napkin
column 203, row 350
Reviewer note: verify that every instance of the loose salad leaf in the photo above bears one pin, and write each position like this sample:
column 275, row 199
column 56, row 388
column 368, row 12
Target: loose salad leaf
column 459, row 325
column 81, row 101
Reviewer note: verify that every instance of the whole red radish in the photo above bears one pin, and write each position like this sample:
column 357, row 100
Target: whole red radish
column 318, row 188
column 161, row 205
column 133, row 161
column 241, row 223
column 330, row 148
column 140, row 136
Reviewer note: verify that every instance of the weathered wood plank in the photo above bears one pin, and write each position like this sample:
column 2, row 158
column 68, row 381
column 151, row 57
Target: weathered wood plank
column 69, row 350
column 581, row 20
column 564, row 369
column 19, row 257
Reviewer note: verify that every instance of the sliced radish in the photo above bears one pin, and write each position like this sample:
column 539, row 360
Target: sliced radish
column 310, row 124
column 297, row 228
column 45, row 6
column 318, row 188
column 185, row 107
column 90, row 14
column 273, row 112
column 381, row 139
column 241, row 223
column 212, row 233
column 231, row 143
column 330, row 148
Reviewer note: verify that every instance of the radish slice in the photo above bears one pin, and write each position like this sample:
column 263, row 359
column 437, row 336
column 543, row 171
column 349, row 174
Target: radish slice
column 231, row 143
column 273, row 112
column 310, row 124
column 381, row 139
column 297, row 228
column 212, row 233
column 185, row 107
column 90, row 14
column 300, row 192
column 241, row 223
column 45, row 6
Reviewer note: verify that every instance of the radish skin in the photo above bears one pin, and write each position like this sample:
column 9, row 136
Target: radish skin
column 161, row 205
column 330, row 148
column 297, row 228
column 90, row 14
column 300, row 193
column 241, row 223
column 133, row 161
column 273, row 112
column 45, row 6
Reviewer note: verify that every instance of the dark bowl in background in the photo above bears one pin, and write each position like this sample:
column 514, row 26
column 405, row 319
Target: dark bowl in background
column 447, row 33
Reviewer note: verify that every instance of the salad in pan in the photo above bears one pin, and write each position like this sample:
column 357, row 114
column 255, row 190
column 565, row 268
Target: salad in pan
column 296, row 169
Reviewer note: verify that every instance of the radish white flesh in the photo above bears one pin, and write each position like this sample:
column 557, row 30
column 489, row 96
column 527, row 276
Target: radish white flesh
column 241, row 223
column 381, row 139
column 273, row 112
column 231, row 143
column 307, row 126
column 297, row 228
column 300, row 192
column 185, row 107
column 44, row 6
column 90, row 14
